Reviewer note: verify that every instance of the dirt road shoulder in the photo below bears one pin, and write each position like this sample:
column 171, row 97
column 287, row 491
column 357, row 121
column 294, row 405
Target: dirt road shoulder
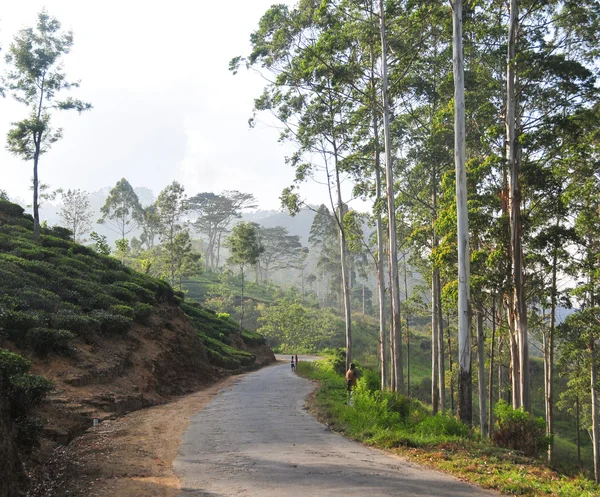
column 130, row 456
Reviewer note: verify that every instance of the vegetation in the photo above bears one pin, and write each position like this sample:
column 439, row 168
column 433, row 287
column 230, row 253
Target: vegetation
column 394, row 422
column 56, row 289
column 34, row 78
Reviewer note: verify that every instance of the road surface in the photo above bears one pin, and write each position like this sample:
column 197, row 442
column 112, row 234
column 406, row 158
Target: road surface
column 255, row 440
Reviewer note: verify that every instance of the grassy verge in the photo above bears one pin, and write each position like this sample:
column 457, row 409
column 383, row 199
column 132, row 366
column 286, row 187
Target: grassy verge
column 405, row 427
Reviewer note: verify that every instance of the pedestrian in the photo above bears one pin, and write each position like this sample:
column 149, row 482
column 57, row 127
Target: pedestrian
column 296, row 360
column 293, row 365
column 351, row 377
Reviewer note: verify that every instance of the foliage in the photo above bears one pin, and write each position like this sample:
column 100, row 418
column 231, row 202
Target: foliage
column 34, row 78
column 439, row 441
column 121, row 211
column 100, row 244
column 215, row 214
column 519, row 430
column 23, row 391
column 76, row 213
column 292, row 327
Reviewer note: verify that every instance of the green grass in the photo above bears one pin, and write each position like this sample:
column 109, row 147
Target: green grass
column 405, row 426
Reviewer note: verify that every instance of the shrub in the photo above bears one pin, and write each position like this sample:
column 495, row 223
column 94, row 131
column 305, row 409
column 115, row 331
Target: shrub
column 38, row 298
column 54, row 241
column 337, row 358
column 519, row 430
column 141, row 293
column 111, row 323
column 17, row 323
column 370, row 379
column 74, row 321
column 142, row 311
column 123, row 310
column 44, row 340
column 32, row 387
column 12, row 364
column 399, row 404
column 123, row 294
column 10, row 209
column 112, row 275
column 60, row 232
column 442, row 425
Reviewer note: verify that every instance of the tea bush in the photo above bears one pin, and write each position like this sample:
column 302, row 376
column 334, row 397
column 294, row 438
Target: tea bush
column 54, row 289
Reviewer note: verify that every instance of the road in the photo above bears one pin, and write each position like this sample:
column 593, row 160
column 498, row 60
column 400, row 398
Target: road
column 255, row 439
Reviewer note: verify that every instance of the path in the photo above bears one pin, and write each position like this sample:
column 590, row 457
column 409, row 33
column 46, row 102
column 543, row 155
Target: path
column 255, row 439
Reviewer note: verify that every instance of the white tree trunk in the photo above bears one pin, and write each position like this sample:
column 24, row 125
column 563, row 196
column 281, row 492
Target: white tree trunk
column 483, row 426
column 464, row 314
column 389, row 177
column 595, row 419
column 434, row 344
column 512, row 153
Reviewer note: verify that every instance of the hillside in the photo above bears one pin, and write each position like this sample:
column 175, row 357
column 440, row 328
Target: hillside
column 110, row 340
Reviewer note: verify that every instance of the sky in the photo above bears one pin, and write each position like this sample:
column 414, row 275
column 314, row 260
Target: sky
column 166, row 106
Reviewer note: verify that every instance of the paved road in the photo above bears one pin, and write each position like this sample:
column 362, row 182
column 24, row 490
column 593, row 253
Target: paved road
column 255, row 440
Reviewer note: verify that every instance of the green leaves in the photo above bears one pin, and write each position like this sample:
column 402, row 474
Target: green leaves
column 244, row 245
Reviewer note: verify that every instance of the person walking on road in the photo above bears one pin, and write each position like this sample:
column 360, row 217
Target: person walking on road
column 293, row 364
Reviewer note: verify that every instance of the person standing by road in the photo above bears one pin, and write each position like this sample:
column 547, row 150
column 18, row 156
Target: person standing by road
column 351, row 377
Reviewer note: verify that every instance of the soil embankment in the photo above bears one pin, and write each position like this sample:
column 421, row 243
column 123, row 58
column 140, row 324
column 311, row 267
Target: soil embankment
column 149, row 365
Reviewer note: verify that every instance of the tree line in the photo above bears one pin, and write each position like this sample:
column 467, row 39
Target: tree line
column 471, row 126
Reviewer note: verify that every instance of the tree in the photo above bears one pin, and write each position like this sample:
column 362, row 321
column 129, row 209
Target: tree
column 76, row 213
column 150, row 223
column 122, row 209
column 100, row 244
column 281, row 250
column 34, row 78
column 186, row 261
column 292, row 326
column 171, row 206
column 215, row 214
column 464, row 311
column 245, row 249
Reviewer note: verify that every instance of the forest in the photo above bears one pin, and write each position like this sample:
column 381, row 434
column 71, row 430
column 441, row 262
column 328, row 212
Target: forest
column 469, row 128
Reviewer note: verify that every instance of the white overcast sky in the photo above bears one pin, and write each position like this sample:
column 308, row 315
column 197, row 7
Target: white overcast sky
column 165, row 104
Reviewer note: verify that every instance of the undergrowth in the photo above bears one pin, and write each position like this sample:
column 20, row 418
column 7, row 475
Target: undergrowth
column 390, row 421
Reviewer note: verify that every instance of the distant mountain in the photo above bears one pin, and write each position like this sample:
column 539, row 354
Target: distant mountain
column 297, row 225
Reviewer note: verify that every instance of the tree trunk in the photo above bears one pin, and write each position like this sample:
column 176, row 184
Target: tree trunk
column 595, row 420
column 218, row 250
column 440, row 347
column 242, row 300
column 36, row 209
column 550, row 359
column 578, row 429
column 450, row 365
column 514, row 360
column 491, row 377
column 389, row 177
column 465, row 400
column 344, row 264
column 393, row 386
column 407, row 328
column 434, row 345
column 481, row 374
column 513, row 160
